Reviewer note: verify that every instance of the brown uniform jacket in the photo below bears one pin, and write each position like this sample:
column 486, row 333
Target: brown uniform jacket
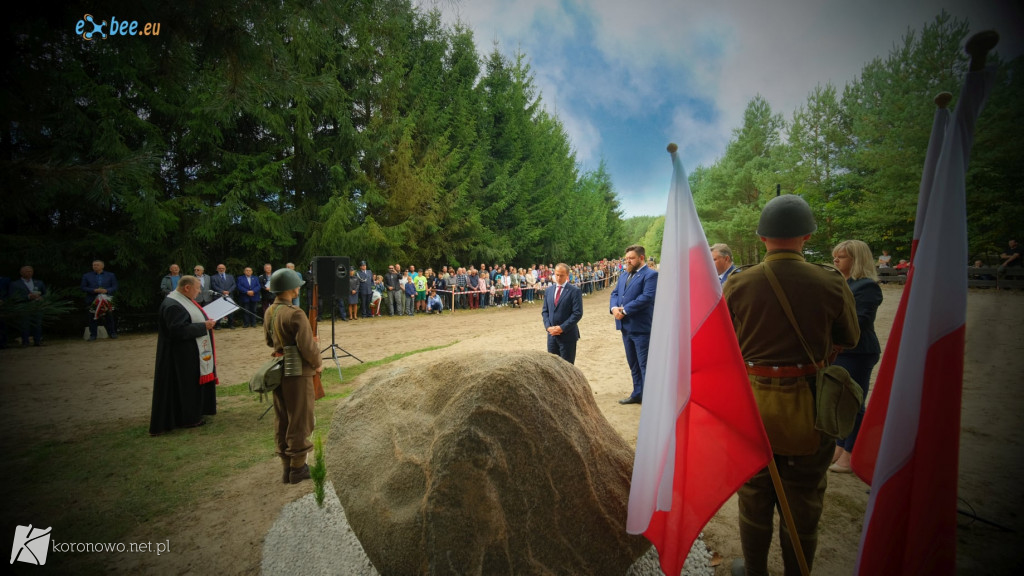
column 821, row 301
column 295, row 331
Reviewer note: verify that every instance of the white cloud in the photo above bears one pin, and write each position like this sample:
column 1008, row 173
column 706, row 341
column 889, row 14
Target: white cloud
column 685, row 70
column 700, row 141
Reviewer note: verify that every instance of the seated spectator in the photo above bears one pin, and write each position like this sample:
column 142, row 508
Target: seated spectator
column 980, row 264
column 903, row 267
column 884, row 260
column 1011, row 258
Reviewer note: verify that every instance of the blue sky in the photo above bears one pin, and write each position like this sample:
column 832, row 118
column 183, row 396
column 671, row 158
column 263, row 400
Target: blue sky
column 626, row 77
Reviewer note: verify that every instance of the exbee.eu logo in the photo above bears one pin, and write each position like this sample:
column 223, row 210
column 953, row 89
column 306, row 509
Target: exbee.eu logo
column 91, row 27
column 30, row 545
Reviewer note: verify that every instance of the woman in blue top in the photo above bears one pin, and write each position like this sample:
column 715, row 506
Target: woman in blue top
column 853, row 259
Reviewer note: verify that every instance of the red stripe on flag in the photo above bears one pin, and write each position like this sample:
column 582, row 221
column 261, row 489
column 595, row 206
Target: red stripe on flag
column 869, row 437
column 720, row 441
column 912, row 528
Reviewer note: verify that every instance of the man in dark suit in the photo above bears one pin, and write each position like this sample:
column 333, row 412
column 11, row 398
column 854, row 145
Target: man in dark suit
column 224, row 285
column 632, row 305
column 266, row 296
column 562, row 311
column 722, row 256
column 249, row 297
column 365, row 289
column 28, row 289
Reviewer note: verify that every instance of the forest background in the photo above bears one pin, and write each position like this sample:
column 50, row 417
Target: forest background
column 251, row 132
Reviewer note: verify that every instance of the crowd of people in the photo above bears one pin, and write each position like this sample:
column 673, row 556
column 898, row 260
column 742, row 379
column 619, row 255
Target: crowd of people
column 414, row 290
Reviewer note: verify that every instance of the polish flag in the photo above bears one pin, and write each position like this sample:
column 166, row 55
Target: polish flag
column 700, row 435
column 908, row 444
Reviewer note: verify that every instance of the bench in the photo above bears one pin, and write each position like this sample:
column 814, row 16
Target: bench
column 1012, row 278
column 984, row 277
column 886, row 275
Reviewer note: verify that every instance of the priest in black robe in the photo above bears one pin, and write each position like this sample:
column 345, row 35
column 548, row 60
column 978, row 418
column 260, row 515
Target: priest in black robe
column 185, row 379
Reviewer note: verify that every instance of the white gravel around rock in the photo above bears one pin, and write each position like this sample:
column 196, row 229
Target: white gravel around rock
column 306, row 539
column 698, row 562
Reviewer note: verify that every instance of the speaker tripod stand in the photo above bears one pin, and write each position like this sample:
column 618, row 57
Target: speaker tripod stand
column 334, row 348
column 331, row 271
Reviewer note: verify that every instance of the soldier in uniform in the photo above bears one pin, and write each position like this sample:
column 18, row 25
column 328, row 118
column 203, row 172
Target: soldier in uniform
column 780, row 369
column 285, row 324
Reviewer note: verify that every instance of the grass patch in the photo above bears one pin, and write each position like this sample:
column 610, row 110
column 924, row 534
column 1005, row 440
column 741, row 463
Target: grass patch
column 330, row 373
column 109, row 479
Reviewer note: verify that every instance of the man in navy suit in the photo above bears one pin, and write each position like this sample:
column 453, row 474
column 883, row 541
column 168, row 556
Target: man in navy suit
column 562, row 310
column 722, row 256
column 249, row 295
column 632, row 305
column 224, row 285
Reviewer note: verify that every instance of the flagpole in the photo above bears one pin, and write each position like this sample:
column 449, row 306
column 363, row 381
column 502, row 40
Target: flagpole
column 788, row 516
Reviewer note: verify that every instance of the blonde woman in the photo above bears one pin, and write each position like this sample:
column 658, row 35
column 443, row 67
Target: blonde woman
column 854, row 261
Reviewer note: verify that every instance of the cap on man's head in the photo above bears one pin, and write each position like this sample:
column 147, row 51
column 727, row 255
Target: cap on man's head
column 362, row 263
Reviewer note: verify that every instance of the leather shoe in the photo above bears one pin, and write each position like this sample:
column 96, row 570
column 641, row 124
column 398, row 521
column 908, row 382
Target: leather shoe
column 738, row 568
column 297, row 475
column 631, row 400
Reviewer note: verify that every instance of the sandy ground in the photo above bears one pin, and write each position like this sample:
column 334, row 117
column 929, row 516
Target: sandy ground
column 225, row 533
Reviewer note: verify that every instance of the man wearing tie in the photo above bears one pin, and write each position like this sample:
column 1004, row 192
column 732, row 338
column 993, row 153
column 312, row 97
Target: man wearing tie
column 224, row 285
column 562, row 311
column 249, row 296
column 632, row 305
column 722, row 256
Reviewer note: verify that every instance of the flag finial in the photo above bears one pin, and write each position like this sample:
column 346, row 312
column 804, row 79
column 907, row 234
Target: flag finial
column 672, row 147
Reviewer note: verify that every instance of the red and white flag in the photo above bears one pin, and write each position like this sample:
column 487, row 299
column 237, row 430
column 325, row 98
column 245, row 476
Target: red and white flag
column 700, row 435
column 908, row 444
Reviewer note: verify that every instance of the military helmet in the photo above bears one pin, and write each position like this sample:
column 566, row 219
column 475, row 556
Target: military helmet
column 285, row 279
column 786, row 216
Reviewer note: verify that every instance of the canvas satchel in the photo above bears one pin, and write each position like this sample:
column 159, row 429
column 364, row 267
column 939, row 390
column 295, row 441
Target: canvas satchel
column 787, row 412
column 268, row 375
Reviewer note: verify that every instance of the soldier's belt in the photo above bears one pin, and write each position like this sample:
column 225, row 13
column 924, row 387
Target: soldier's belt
column 784, row 371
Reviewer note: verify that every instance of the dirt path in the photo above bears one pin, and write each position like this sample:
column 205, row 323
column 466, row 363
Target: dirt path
column 224, row 534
